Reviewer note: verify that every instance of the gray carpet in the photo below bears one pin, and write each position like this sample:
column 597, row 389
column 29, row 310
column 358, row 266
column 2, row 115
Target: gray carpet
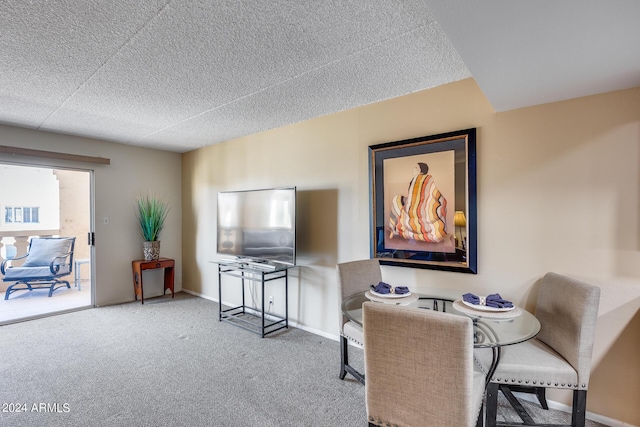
column 171, row 363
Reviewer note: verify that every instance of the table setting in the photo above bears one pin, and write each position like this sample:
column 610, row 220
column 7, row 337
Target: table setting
column 497, row 322
column 385, row 293
column 492, row 306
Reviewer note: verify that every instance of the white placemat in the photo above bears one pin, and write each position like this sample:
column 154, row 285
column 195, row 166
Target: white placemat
column 399, row 301
column 458, row 305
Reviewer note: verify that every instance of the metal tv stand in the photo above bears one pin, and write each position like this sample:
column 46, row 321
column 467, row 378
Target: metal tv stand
column 249, row 318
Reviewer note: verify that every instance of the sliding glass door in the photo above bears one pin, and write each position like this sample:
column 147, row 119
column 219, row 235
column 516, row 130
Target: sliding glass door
column 37, row 201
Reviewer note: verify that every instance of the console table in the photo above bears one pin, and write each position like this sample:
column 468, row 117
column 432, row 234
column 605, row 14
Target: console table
column 139, row 266
column 249, row 318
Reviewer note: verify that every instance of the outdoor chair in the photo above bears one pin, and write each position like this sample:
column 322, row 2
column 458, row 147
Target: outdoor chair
column 47, row 260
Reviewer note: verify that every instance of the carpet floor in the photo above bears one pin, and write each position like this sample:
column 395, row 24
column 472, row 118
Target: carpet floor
column 170, row 362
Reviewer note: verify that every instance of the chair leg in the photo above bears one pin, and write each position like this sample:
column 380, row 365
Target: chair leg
column 491, row 405
column 508, row 390
column 541, row 392
column 11, row 289
column 345, row 368
column 344, row 356
column 579, row 411
column 58, row 284
column 480, row 420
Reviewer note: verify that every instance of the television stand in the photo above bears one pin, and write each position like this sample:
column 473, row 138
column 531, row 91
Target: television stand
column 249, row 318
column 262, row 265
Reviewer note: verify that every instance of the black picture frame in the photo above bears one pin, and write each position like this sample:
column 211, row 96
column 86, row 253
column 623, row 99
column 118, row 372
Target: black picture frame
column 415, row 213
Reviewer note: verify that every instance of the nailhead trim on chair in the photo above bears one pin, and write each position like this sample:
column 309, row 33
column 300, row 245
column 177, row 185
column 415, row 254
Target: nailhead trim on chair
column 352, row 340
column 542, row 383
column 479, row 365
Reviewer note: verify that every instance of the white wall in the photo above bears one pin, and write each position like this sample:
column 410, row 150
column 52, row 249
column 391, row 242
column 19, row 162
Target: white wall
column 133, row 170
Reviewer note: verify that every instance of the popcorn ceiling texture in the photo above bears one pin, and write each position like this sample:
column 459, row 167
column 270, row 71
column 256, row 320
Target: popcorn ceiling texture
column 179, row 75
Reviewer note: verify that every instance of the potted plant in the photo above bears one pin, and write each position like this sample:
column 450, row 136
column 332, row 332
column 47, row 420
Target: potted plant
column 152, row 213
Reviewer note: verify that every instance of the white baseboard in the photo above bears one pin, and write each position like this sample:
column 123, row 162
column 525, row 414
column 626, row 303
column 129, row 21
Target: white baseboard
column 315, row 331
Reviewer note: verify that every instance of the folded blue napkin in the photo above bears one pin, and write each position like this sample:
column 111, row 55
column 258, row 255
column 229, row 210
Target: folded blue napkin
column 493, row 300
column 400, row 290
column 385, row 288
column 471, row 298
column 382, row 288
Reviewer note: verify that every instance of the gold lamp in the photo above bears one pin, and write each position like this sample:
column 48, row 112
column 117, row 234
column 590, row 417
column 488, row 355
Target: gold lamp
column 459, row 220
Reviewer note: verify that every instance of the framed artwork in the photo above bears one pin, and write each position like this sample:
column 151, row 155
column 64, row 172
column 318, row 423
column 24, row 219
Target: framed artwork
column 423, row 202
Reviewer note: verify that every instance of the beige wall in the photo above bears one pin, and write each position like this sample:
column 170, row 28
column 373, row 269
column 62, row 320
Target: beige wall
column 558, row 190
column 132, row 170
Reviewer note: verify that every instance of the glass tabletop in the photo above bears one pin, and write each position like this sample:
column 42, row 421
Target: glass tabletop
column 490, row 330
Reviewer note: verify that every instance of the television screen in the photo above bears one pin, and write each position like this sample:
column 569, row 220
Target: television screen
column 258, row 224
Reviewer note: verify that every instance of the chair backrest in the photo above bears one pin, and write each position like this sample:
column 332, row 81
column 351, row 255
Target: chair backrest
column 42, row 250
column 568, row 310
column 419, row 367
column 356, row 276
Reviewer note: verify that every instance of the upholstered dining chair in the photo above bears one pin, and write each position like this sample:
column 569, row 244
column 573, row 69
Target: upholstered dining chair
column 559, row 357
column 419, row 368
column 353, row 277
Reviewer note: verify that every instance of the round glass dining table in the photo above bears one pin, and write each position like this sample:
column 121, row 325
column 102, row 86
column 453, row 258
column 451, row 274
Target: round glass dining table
column 491, row 329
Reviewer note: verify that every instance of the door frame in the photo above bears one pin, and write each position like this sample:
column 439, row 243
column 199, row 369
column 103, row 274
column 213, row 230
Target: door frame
column 91, row 225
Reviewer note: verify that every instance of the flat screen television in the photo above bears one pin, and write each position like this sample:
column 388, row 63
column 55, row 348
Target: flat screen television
column 258, row 224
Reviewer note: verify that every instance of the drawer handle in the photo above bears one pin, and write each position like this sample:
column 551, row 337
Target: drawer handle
column 158, row 264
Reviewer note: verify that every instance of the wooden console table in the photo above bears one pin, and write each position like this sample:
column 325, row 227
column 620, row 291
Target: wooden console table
column 139, row 266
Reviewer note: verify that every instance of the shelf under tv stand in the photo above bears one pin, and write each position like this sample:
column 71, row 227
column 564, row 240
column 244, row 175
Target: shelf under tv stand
column 249, row 318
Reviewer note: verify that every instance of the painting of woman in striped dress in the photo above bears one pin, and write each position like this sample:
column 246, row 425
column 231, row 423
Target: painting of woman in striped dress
column 421, row 214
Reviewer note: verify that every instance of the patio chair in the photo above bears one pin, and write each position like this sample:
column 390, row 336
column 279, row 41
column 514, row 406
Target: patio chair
column 47, row 260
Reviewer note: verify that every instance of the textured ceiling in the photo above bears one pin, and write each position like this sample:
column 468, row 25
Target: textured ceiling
column 182, row 74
